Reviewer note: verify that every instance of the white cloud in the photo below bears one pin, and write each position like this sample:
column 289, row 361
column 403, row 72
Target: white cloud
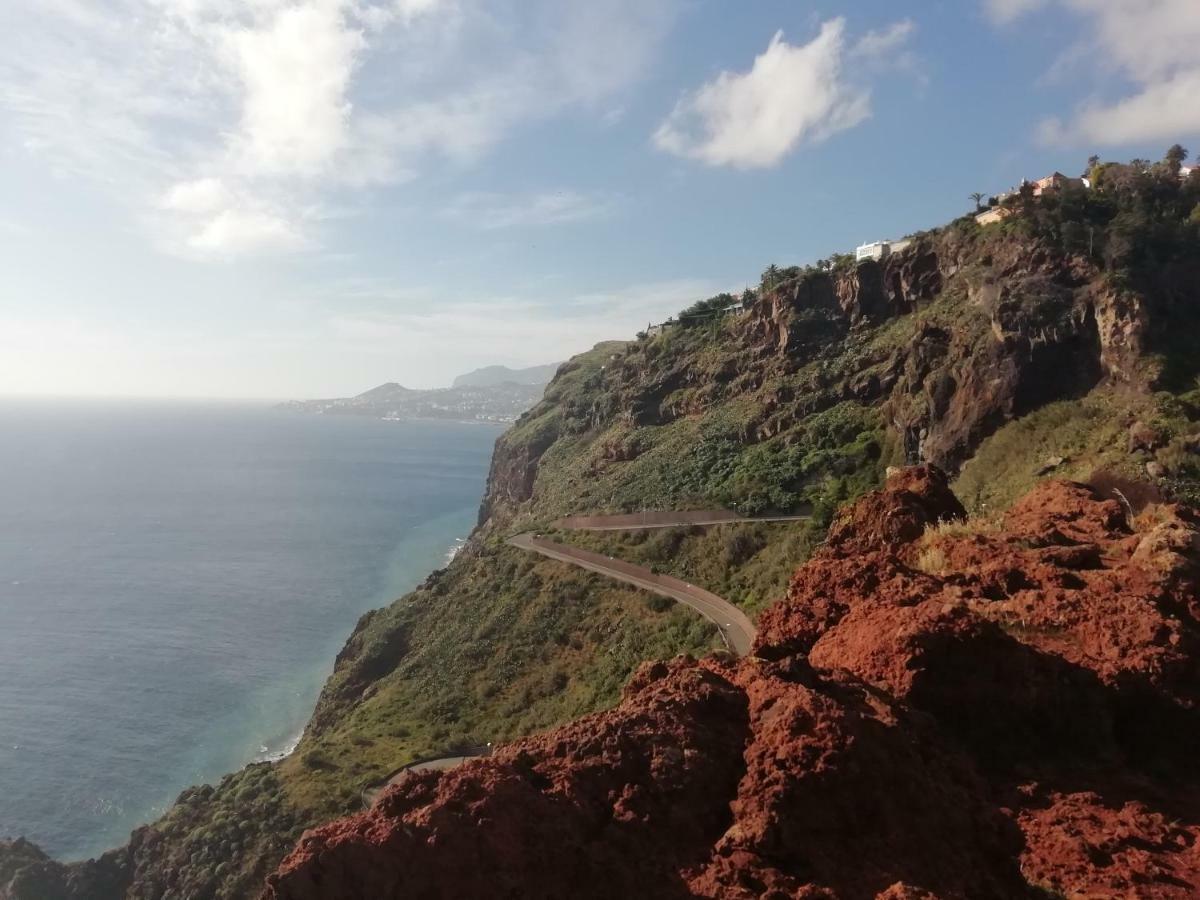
column 199, row 196
column 1005, row 11
column 881, row 45
column 1152, row 43
column 1166, row 110
column 295, row 73
column 235, row 231
column 790, row 95
column 14, row 229
column 281, row 106
column 492, row 211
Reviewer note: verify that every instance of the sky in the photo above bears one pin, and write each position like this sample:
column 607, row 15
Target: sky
column 307, row 198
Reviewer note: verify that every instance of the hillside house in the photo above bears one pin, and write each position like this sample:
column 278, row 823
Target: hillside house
column 879, row 250
column 655, row 330
column 1051, row 184
column 993, row 215
column 1185, row 172
column 1054, row 183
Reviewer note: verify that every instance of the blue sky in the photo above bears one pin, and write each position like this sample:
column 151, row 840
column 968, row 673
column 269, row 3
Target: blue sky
column 278, row 198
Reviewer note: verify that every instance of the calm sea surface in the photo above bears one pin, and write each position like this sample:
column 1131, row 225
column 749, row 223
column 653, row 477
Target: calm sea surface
column 175, row 581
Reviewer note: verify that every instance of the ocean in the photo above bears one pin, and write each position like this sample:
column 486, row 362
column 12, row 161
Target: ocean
column 176, row 580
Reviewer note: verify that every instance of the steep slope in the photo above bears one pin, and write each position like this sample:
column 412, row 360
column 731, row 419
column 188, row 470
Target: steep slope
column 1003, row 354
column 1016, row 719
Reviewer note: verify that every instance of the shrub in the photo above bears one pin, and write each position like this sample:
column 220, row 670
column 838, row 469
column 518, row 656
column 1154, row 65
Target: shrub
column 658, row 603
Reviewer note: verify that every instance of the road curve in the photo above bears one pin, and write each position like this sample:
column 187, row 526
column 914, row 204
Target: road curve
column 736, row 629
column 371, row 793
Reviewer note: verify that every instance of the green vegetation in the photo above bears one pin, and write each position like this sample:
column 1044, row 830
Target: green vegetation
column 502, row 644
column 802, row 412
column 702, row 311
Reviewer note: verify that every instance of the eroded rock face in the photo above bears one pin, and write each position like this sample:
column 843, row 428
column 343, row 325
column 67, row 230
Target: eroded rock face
column 953, row 712
column 1036, row 327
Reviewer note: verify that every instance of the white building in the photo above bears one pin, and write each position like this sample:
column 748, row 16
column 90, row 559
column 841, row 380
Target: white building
column 875, row 250
column 661, row 327
column 879, row 250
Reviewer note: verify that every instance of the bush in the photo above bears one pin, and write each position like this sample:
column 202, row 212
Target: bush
column 313, row 759
column 657, row 603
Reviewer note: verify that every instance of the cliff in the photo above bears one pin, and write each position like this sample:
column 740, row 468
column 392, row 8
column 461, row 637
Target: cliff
column 1056, row 345
column 938, row 708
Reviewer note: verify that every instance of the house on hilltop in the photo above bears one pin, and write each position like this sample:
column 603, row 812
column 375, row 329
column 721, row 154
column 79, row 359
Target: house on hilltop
column 1001, row 208
column 996, row 213
column 1054, row 183
column 655, row 330
column 879, row 250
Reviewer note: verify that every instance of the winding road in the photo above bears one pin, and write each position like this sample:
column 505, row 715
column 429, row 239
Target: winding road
column 371, row 794
column 736, row 629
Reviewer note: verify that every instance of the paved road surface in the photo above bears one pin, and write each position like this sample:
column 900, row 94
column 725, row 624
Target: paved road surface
column 371, row 794
column 653, row 519
column 737, row 631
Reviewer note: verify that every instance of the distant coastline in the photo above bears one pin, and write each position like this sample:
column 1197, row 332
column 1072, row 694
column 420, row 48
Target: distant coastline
column 495, row 396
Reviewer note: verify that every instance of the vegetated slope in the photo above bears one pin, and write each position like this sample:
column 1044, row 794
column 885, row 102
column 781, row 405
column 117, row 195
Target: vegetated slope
column 937, row 709
column 1058, row 340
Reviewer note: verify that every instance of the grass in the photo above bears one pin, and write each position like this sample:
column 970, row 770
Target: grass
column 1091, row 435
column 505, row 643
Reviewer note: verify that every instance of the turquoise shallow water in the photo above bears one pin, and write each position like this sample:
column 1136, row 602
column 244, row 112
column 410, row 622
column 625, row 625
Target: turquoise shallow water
column 175, row 581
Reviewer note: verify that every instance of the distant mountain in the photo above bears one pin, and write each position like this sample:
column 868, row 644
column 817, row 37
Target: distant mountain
column 490, row 376
column 502, row 401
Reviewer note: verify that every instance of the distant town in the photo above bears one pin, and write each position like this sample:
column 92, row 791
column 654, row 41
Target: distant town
column 495, row 394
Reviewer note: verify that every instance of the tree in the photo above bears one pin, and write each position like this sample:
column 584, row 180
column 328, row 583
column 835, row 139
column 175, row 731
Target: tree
column 978, row 198
column 1175, row 158
column 1027, row 198
column 770, row 277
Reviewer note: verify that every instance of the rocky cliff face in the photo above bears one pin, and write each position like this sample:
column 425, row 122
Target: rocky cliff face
column 946, row 342
column 1035, row 327
column 937, row 709
column 1026, row 671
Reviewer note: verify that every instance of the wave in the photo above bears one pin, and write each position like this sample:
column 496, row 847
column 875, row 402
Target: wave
column 454, row 548
column 265, row 754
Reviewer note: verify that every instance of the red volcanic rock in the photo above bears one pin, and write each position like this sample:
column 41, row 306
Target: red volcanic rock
column 1084, row 844
column 571, row 813
column 709, row 780
column 912, row 500
column 845, row 794
column 986, row 710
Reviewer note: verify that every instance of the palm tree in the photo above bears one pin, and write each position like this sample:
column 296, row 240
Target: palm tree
column 1175, row 158
column 978, row 198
